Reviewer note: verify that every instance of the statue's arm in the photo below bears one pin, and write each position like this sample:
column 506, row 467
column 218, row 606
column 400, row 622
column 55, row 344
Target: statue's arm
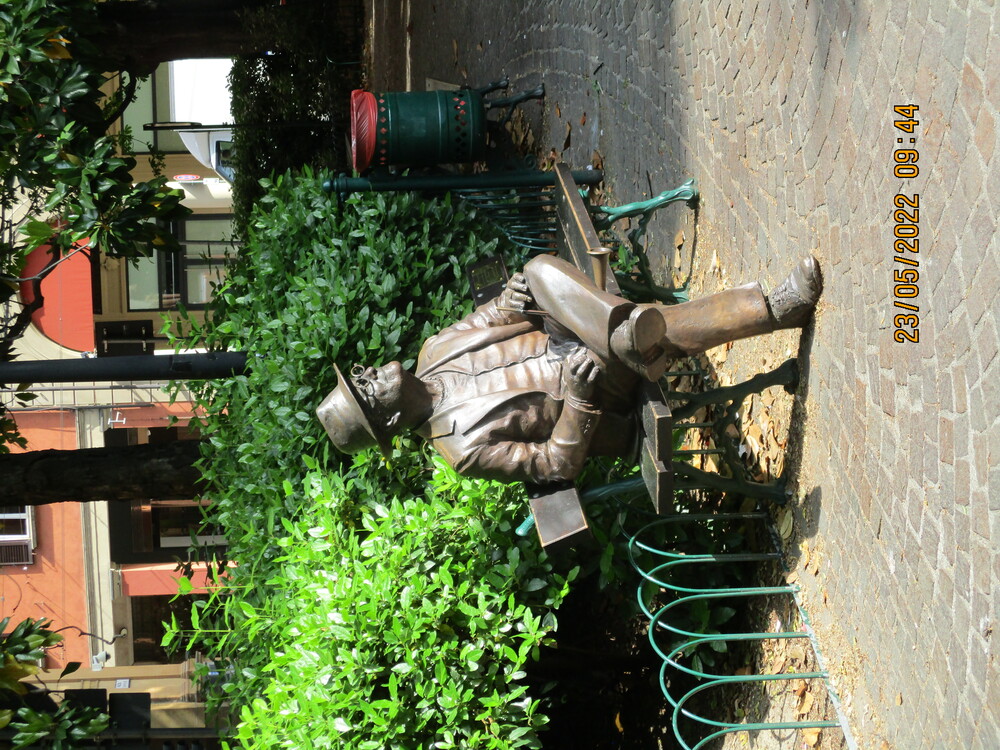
column 503, row 310
column 561, row 457
column 558, row 459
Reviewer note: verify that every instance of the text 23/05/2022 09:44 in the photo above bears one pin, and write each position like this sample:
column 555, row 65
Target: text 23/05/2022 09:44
column 906, row 231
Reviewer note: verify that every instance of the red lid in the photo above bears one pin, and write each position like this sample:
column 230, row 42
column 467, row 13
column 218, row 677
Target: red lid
column 363, row 113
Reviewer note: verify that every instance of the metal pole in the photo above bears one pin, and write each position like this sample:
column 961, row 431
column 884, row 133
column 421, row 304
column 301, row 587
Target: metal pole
column 485, row 181
column 178, row 733
column 203, row 366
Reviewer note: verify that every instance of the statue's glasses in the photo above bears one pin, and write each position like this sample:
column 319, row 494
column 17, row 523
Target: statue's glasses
column 365, row 386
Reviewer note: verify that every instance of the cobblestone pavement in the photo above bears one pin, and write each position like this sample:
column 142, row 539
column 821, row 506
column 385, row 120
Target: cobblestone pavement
column 784, row 113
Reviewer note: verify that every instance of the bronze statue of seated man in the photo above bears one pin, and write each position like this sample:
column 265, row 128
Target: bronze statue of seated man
column 532, row 383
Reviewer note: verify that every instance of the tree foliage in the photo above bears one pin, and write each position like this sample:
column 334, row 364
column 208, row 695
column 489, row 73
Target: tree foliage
column 53, row 122
column 63, row 182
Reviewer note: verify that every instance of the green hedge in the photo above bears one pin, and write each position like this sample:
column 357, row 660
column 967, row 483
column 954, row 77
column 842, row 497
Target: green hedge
column 376, row 602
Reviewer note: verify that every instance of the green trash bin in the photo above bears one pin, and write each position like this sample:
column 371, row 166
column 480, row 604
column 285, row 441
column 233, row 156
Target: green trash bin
column 417, row 128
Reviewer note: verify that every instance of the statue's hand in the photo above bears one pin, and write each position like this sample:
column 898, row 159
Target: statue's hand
column 580, row 374
column 516, row 296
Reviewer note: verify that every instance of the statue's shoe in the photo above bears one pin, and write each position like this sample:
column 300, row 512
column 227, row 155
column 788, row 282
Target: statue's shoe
column 638, row 342
column 794, row 299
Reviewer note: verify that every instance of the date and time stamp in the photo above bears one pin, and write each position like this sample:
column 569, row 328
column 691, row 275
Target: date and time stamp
column 906, row 229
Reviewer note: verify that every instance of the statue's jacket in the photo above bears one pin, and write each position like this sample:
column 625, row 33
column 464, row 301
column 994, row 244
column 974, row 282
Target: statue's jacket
column 503, row 414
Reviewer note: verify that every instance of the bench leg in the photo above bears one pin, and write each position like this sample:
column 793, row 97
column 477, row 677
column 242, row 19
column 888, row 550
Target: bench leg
column 786, row 374
column 512, row 101
column 605, row 216
column 687, row 477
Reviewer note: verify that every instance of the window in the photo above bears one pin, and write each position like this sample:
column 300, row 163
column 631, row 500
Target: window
column 17, row 534
column 152, row 104
column 169, row 279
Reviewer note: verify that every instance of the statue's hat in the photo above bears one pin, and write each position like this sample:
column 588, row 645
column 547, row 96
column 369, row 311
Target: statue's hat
column 348, row 420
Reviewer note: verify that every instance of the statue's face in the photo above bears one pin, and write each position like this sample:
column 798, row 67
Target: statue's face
column 380, row 387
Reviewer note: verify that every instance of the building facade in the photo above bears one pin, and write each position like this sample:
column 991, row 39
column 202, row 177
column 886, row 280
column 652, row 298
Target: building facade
column 107, row 572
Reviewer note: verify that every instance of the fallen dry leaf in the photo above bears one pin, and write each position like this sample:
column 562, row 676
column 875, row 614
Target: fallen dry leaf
column 558, row 110
column 813, row 566
column 805, row 704
column 549, row 162
column 583, row 120
column 618, row 723
column 810, row 737
column 785, row 524
column 899, row 699
column 597, row 160
column 751, row 447
column 569, row 137
column 799, row 688
column 679, row 239
column 779, row 464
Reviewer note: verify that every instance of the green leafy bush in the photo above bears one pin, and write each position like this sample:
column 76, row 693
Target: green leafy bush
column 376, row 602
column 413, row 631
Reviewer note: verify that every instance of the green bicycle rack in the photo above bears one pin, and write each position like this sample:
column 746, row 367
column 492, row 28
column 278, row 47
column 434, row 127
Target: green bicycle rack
column 660, row 569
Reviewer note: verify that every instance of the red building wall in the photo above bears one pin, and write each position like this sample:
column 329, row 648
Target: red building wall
column 53, row 586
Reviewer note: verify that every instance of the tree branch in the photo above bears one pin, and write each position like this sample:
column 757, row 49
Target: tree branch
column 15, row 328
column 127, row 93
column 48, row 269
